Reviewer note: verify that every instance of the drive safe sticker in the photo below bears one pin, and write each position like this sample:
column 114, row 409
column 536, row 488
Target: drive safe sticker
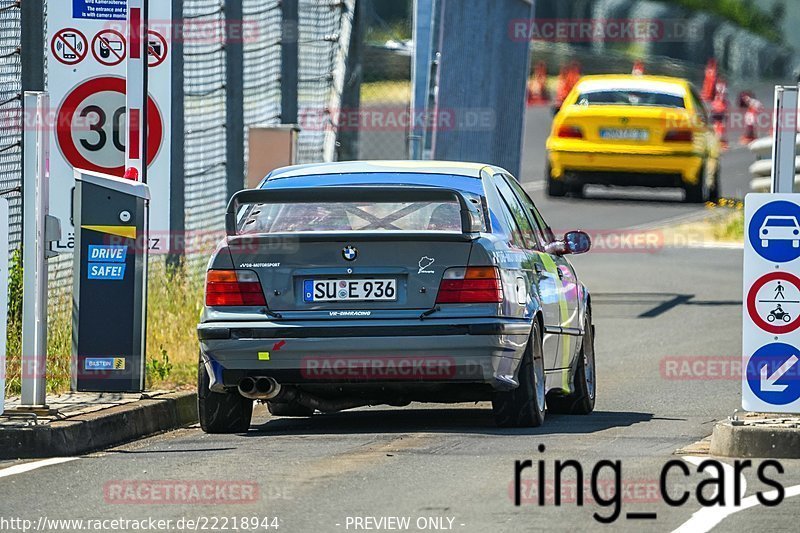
column 107, row 262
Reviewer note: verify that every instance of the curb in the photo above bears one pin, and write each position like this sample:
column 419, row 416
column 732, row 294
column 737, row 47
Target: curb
column 758, row 442
column 93, row 431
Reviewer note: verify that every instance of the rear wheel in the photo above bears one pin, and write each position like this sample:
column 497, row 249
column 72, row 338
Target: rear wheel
column 581, row 400
column 714, row 193
column 554, row 187
column 525, row 405
column 289, row 409
column 698, row 193
column 221, row 412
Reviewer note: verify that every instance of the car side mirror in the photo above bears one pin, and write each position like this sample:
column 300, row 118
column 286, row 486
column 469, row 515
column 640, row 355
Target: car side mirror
column 578, row 242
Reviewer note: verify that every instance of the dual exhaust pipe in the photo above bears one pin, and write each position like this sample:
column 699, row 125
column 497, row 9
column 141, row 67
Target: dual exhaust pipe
column 261, row 388
column 266, row 388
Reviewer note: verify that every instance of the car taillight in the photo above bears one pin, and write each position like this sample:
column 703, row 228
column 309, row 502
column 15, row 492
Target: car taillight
column 570, row 132
column 470, row 285
column 679, row 136
column 226, row 288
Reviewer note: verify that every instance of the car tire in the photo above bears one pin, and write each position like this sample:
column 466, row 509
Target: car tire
column 555, row 188
column 714, row 192
column 289, row 409
column 582, row 399
column 525, row 405
column 764, row 244
column 698, row 193
column 221, row 412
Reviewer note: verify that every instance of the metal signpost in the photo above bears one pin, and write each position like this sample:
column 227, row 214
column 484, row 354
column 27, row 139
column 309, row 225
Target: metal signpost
column 39, row 230
column 771, row 323
column 784, row 124
column 421, row 75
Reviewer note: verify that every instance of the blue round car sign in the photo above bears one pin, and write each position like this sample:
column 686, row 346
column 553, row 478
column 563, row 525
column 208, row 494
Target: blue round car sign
column 774, row 231
column 773, row 374
column 350, row 253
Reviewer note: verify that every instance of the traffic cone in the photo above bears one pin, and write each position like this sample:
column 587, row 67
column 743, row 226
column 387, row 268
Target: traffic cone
column 537, row 87
column 719, row 112
column 710, row 81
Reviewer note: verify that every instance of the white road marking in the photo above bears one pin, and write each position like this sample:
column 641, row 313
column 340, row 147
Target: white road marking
column 708, row 518
column 27, row 467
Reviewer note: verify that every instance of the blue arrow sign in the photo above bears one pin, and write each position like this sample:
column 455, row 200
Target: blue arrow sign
column 773, row 374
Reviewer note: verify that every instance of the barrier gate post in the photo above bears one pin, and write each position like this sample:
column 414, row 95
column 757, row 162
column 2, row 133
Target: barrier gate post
column 108, row 321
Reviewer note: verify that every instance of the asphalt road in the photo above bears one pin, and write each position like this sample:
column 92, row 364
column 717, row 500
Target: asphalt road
column 654, row 312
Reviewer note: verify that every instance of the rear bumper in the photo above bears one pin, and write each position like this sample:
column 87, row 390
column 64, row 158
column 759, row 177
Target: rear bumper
column 644, row 169
column 381, row 351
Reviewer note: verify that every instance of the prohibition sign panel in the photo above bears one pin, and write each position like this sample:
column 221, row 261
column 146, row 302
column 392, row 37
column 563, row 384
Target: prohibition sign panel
column 773, row 302
column 69, row 46
column 109, row 48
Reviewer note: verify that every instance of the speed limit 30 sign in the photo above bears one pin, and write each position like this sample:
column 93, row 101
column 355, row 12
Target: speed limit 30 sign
column 91, row 126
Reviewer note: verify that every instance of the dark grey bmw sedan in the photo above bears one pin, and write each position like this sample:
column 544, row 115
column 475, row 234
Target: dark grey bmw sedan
column 344, row 285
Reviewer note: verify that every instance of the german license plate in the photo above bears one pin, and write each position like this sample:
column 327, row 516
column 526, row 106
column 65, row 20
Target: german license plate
column 350, row 290
column 624, row 134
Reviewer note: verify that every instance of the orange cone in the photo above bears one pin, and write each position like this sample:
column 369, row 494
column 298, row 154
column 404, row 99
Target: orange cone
column 537, row 87
column 710, row 82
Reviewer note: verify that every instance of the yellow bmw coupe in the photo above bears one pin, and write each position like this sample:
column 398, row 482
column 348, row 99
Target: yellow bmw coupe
column 627, row 130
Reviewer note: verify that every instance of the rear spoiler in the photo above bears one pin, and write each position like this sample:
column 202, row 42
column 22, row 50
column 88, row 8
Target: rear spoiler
column 470, row 217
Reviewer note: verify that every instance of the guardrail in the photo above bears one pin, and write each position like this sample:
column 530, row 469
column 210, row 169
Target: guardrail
column 761, row 170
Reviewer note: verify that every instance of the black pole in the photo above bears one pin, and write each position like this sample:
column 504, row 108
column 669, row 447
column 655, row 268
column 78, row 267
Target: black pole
column 32, row 40
column 234, row 91
column 177, row 208
column 289, row 60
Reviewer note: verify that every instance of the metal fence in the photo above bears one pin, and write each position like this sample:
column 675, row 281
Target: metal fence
column 205, row 135
column 11, row 113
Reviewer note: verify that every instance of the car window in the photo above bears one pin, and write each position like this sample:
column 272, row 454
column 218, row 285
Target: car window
column 517, row 212
column 631, row 97
column 541, row 229
column 353, row 216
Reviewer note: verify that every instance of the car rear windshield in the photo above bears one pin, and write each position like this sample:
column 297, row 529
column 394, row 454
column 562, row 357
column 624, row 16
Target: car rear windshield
column 434, row 216
column 631, row 98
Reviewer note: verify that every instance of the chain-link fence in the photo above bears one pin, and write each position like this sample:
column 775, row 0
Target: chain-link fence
column 11, row 113
column 386, row 89
column 205, row 172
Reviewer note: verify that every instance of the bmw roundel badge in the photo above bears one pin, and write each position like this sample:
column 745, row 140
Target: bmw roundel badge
column 350, row 253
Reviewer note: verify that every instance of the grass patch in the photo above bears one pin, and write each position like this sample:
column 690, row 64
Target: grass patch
column 175, row 301
column 386, row 92
column 731, row 226
column 743, row 13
